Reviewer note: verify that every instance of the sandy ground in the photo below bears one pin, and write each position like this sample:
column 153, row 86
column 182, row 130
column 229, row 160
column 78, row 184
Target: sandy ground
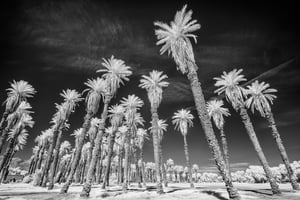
column 213, row 191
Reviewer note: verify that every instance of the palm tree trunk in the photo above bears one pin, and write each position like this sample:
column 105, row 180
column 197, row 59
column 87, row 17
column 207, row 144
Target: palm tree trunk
column 156, row 149
column 83, row 171
column 5, row 170
column 261, row 156
column 4, row 135
column 120, row 166
column 100, row 166
column 76, row 159
column 96, row 151
column 225, row 150
column 209, row 132
column 44, row 177
column 163, row 169
column 55, row 161
column 126, row 163
column 8, row 153
column 142, row 167
column 111, row 142
column 40, row 159
column 188, row 163
column 3, row 119
column 282, row 151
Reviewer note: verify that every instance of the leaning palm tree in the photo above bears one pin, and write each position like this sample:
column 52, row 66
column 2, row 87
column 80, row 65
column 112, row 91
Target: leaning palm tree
column 260, row 98
column 13, row 118
column 183, row 119
column 19, row 91
column 115, row 73
column 92, row 135
column 175, row 39
column 116, row 118
column 20, row 143
column 228, row 85
column 24, row 121
column 142, row 135
column 216, row 111
column 154, row 84
column 132, row 118
column 96, row 88
column 60, row 118
column 71, row 99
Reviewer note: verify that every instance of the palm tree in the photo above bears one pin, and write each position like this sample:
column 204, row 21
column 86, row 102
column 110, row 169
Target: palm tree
column 116, row 118
column 96, row 88
column 20, row 143
column 175, row 40
column 142, row 135
column 260, row 98
column 228, row 84
column 183, row 120
column 13, row 118
column 120, row 140
column 132, row 118
column 92, row 135
column 71, row 99
column 154, row 85
column 216, row 111
column 115, row 73
column 24, row 121
column 59, row 120
column 19, row 91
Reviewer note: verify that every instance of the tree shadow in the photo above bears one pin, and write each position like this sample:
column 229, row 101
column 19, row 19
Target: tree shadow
column 264, row 192
column 215, row 194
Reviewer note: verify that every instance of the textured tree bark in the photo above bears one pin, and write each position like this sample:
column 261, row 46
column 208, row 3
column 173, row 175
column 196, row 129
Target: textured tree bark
column 188, row 163
column 111, row 142
column 76, row 159
column 138, row 171
column 55, row 161
column 261, row 156
column 8, row 153
column 44, row 177
column 225, row 150
column 4, row 134
column 3, row 119
column 281, row 149
column 163, row 169
column 126, row 163
column 96, row 151
column 209, row 133
column 156, row 149
column 143, row 167
column 40, row 160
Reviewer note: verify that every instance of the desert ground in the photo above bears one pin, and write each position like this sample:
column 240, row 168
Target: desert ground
column 205, row 191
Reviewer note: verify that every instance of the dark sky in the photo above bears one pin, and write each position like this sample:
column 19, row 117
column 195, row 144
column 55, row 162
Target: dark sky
column 56, row 45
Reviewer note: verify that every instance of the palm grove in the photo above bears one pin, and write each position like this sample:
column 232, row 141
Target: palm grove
column 111, row 147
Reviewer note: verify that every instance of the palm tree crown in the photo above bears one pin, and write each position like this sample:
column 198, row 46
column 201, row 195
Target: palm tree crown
column 182, row 120
column 142, row 135
column 19, row 91
column 131, row 104
column 161, row 128
column 154, row 84
column 116, row 114
column 216, row 111
column 97, row 89
column 115, row 72
column 260, row 97
column 71, row 99
column 228, row 83
column 175, row 38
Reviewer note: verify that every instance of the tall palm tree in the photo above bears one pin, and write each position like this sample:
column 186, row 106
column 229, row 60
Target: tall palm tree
column 71, row 99
column 183, row 119
column 120, row 140
column 19, row 91
column 60, row 118
column 13, row 118
column 132, row 118
column 154, row 84
column 96, row 88
column 216, row 111
column 228, row 84
column 24, row 121
column 115, row 73
column 175, row 40
column 20, row 143
column 92, row 135
column 116, row 118
column 260, row 98
column 142, row 135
